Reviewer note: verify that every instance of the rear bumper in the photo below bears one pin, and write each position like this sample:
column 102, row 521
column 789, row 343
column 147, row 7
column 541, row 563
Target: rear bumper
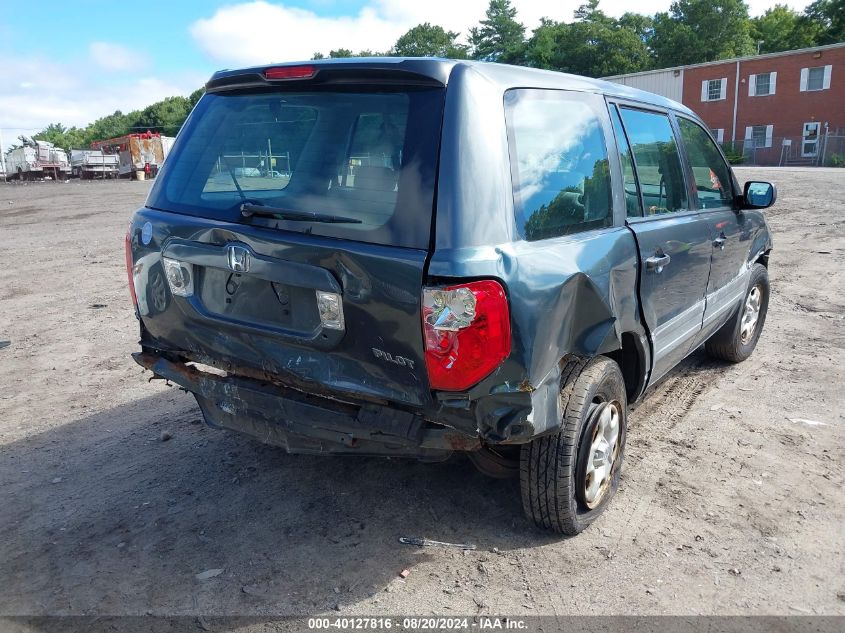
column 303, row 423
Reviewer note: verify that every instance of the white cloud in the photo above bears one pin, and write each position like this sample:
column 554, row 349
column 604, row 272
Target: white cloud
column 35, row 92
column 262, row 32
column 111, row 56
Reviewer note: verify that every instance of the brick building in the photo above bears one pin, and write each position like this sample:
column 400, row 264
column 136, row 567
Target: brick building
column 778, row 108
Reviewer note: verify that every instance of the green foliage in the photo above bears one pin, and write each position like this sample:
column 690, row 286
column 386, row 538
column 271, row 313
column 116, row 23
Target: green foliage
column 165, row 117
column 342, row 53
column 701, row 31
column 195, row 96
column 499, row 37
column 734, row 155
column 60, row 136
column 836, row 160
column 426, row 40
column 567, row 209
column 782, row 29
column 594, row 45
column 828, row 16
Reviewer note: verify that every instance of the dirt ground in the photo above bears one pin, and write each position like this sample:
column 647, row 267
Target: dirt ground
column 729, row 502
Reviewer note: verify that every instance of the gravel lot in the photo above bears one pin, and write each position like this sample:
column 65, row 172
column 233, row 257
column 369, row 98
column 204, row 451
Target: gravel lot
column 727, row 504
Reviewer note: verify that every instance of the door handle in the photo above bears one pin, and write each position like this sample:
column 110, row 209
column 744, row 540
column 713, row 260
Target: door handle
column 719, row 242
column 657, row 263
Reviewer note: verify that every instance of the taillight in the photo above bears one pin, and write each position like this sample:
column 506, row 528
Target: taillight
column 290, row 72
column 128, row 247
column 467, row 333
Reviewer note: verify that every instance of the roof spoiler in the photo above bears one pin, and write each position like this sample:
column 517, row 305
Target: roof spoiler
column 432, row 73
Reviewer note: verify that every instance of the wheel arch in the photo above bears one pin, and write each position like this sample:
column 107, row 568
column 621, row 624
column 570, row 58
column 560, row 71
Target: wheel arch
column 634, row 359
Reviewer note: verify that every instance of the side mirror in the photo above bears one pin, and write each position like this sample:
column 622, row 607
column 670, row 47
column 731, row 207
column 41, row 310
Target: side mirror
column 759, row 195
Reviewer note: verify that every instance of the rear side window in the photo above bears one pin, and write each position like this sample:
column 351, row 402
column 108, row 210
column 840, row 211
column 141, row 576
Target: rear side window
column 559, row 167
column 712, row 178
column 369, row 155
column 658, row 163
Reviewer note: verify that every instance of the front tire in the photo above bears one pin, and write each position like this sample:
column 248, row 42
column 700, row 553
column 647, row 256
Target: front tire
column 568, row 478
column 736, row 339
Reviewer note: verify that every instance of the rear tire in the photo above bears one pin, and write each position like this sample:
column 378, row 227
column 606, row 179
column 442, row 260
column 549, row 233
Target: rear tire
column 568, row 478
column 736, row 339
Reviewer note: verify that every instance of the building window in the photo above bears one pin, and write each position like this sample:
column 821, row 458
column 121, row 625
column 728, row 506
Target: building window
column 762, row 84
column 714, row 89
column 816, row 78
column 718, row 133
column 758, row 136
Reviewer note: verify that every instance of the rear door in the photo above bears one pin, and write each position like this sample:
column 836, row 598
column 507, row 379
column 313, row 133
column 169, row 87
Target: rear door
column 673, row 240
column 332, row 306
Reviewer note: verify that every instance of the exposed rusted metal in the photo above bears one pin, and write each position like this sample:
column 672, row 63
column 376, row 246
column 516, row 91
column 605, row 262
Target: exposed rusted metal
column 137, row 152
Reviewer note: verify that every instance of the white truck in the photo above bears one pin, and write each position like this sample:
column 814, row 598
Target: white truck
column 37, row 159
column 93, row 163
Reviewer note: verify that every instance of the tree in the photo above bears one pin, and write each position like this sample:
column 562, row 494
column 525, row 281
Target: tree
column 499, row 37
column 427, row 40
column 594, row 45
column 829, row 17
column 782, row 29
column 642, row 25
column 110, row 126
column 697, row 31
column 195, row 96
column 165, row 116
column 342, row 53
column 60, row 136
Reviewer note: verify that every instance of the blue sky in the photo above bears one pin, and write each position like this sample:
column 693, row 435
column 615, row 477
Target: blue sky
column 72, row 62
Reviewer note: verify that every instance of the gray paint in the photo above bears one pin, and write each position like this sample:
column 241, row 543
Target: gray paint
column 573, row 295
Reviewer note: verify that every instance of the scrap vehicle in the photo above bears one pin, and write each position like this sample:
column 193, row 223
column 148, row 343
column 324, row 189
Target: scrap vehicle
column 37, row 159
column 456, row 257
column 166, row 145
column 139, row 155
column 93, row 163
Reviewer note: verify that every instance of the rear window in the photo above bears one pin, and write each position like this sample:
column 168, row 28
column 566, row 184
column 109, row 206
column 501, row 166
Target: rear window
column 559, row 167
column 366, row 155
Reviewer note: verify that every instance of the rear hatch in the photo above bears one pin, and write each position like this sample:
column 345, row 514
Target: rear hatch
column 289, row 232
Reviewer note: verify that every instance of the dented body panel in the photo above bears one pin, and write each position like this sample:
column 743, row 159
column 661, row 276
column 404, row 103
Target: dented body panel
column 364, row 389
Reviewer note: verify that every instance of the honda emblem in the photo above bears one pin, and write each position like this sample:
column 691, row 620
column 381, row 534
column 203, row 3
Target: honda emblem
column 238, row 258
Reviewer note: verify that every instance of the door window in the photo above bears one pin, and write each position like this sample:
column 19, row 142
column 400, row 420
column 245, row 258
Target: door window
column 659, row 169
column 711, row 174
column 559, row 166
column 633, row 205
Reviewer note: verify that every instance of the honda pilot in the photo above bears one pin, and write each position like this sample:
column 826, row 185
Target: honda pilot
column 418, row 257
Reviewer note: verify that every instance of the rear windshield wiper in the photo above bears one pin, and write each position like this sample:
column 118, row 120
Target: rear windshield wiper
column 249, row 209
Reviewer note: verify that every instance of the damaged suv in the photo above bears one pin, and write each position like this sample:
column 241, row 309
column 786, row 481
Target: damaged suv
column 414, row 257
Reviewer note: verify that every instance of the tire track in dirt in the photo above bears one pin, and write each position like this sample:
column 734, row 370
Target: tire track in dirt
column 675, row 395
column 655, row 430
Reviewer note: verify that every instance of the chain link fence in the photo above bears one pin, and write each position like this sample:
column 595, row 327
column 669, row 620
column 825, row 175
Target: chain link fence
column 823, row 150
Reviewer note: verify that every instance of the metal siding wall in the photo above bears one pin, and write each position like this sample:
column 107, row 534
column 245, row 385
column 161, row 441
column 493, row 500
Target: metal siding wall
column 662, row 82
